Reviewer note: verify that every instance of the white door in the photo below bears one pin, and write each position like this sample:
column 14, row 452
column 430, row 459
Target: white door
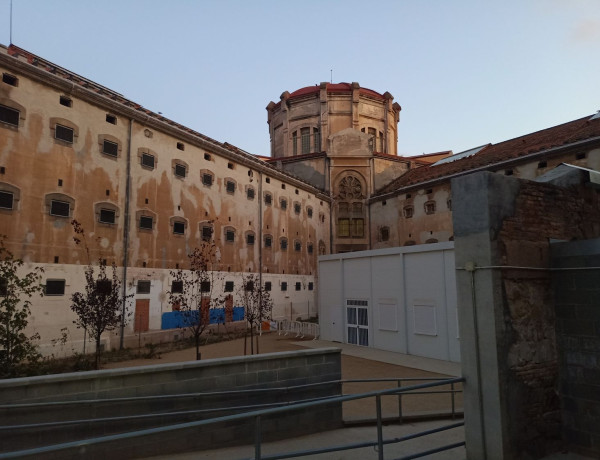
column 357, row 322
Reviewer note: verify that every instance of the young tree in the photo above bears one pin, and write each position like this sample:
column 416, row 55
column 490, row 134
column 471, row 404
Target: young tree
column 16, row 288
column 257, row 303
column 100, row 307
column 192, row 291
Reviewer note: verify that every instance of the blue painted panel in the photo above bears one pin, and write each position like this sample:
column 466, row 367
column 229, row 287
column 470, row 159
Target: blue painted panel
column 180, row 319
column 238, row 313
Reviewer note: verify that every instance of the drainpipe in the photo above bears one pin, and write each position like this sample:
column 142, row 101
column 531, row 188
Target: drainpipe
column 126, row 233
column 260, row 241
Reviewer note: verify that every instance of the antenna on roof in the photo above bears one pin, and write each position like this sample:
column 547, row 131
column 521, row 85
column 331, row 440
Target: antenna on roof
column 10, row 40
column 331, row 71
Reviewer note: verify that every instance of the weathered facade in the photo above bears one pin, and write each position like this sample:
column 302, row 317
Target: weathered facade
column 147, row 191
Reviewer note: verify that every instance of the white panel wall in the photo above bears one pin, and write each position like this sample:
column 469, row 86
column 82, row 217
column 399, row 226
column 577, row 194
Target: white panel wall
column 411, row 296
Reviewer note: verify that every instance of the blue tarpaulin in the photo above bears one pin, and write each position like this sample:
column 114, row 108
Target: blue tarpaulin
column 179, row 319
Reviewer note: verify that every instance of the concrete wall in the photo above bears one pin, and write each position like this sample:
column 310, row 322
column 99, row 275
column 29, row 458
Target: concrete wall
column 409, row 294
column 275, row 370
column 577, row 303
column 506, row 315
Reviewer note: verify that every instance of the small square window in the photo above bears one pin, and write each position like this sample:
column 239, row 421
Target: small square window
column 297, row 208
column 385, row 233
column 180, row 146
column 430, row 207
column 104, row 287
column 64, row 133
column 542, row 164
column 180, row 170
column 207, row 156
column 283, row 204
column 111, row 119
column 204, row 286
column 207, row 179
column 298, row 286
column 311, row 285
column 297, row 246
column 230, row 186
column 10, row 79
column 176, row 287
column 297, row 192
column 249, row 286
column 59, row 208
column 6, row 200
column 284, row 285
column 408, row 212
column 179, row 228
column 66, row 101
column 268, row 241
column 9, row 115
column 143, row 287
column 283, row 244
column 250, row 193
column 146, row 222
column 230, row 236
column 268, row 285
column 283, row 186
column 408, row 195
column 268, row 180
column 207, row 232
column 309, row 212
column 228, row 286
column 250, row 238
column 110, row 148
column 148, row 160
column 107, row 216
column 230, row 165
column 54, row 287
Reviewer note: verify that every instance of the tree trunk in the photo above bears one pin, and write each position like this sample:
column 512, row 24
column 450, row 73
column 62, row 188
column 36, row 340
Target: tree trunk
column 251, row 340
column 198, row 354
column 97, row 362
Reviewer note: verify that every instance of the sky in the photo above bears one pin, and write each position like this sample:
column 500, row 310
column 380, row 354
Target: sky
column 466, row 72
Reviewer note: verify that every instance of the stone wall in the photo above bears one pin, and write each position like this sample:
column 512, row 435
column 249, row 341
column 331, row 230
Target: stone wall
column 196, row 379
column 577, row 302
column 506, row 314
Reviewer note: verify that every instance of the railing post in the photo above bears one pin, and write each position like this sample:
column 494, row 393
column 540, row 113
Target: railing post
column 400, row 402
column 452, row 396
column 257, row 438
column 379, row 427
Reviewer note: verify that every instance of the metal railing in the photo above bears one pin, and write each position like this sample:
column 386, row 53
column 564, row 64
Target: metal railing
column 257, row 414
column 300, row 328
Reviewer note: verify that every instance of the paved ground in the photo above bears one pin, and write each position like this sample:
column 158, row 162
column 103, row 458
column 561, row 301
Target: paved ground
column 357, row 363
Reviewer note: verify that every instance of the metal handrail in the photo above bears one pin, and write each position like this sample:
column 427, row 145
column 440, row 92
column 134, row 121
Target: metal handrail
column 229, row 418
column 216, row 393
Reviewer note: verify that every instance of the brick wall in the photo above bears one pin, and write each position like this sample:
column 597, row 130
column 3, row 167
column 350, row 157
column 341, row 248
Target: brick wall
column 542, row 212
column 577, row 302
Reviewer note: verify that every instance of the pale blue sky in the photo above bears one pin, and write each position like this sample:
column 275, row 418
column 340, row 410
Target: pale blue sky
column 465, row 72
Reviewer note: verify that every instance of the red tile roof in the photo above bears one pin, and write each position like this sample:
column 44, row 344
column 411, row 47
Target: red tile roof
column 561, row 135
column 334, row 88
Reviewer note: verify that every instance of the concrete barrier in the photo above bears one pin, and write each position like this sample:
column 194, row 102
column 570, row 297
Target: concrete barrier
column 91, row 395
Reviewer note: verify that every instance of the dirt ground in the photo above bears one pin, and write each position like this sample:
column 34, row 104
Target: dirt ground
column 352, row 368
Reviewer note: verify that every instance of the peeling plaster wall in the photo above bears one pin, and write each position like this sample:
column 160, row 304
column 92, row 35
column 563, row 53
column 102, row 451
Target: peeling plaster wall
column 34, row 163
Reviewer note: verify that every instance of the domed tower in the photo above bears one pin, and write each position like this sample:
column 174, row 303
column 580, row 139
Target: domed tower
column 302, row 121
column 342, row 139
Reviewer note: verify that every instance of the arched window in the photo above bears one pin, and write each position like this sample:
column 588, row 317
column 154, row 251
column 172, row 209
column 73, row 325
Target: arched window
column 350, row 212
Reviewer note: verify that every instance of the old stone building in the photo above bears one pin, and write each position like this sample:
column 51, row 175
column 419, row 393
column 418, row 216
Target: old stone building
column 147, row 190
